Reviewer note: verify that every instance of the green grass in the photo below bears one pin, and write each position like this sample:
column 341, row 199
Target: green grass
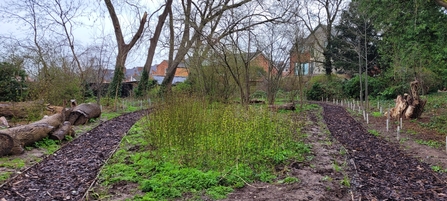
column 337, row 167
column 430, row 143
column 50, row 145
column 436, row 103
column 374, row 132
column 346, row 181
column 439, row 169
column 377, row 114
column 14, row 163
column 200, row 148
column 4, row 176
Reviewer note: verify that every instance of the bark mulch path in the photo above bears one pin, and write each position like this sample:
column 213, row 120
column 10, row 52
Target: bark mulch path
column 381, row 170
column 68, row 173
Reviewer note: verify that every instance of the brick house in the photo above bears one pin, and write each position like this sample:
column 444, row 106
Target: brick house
column 158, row 72
column 308, row 53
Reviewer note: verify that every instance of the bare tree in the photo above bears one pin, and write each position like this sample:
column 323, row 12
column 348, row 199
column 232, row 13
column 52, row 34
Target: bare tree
column 203, row 22
column 123, row 47
column 276, row 44
column 142, row 86
column 63, row 14
column 197, row 17
column 322, row 13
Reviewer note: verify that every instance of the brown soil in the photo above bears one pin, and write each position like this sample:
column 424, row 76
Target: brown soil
column 379, row 167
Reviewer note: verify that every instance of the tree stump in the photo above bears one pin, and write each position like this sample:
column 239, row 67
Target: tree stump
column 409, row 106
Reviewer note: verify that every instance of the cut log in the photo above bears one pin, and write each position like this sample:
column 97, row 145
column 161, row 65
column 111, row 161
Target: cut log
column 62, row 131
column 19, row 109
column 256, row 101
column 30, row 133
column 82, row 113
column 54, row 120
column 409, row 106
column 287, row 106
column 6, row 144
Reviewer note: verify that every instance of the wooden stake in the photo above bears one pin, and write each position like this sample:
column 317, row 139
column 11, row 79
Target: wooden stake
column 401, row 123
column 387, row 125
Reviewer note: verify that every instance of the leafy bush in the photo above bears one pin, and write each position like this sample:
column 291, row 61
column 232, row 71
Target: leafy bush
column 330, row 88
column 12, row 82
column 376, row 85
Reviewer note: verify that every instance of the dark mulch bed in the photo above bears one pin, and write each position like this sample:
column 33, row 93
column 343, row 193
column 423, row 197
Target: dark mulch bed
column 68, row 173
column 382, row 170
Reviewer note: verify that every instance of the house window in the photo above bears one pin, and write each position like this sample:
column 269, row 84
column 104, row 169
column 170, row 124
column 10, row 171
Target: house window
column 305, row 68
column 302, row 69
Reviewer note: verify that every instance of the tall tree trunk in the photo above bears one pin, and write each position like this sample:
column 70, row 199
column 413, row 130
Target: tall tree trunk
column 142, row 86
column 123, row 47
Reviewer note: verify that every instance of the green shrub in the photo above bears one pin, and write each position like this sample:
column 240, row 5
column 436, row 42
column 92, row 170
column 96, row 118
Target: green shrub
column 330, row 89
column 12, row 82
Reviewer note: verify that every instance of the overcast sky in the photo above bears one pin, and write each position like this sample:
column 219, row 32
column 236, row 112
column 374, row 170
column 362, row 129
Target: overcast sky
column 96, row 25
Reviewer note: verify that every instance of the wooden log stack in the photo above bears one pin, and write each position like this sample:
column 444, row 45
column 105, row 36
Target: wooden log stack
column 57, row 126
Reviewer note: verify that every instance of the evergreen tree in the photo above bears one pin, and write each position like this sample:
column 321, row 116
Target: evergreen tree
column 12, row 82
column 354, row 28
column 413, row 38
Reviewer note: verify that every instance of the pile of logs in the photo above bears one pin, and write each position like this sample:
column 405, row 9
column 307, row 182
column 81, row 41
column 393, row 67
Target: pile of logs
column 408, row 106
column 57, row 126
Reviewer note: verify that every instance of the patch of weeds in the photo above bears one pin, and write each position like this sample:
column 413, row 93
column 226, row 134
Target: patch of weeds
column 343, row 151
column 439, row 169
column 219, row 192
column 289, row 180
column 265, row 176
column 411, row 132
column 402, row 140
column 374, row 132
column 172, row 181
column 430, row 143
column 50, row 145
column 346, row 181
column 4, row 176
column 376, row 114
column 110, row 115
column 336, row 167
column 68, row 138
column 14, row 163
column 326, row 178
column 310, row 158
column 438, row 123
column 312, row 166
